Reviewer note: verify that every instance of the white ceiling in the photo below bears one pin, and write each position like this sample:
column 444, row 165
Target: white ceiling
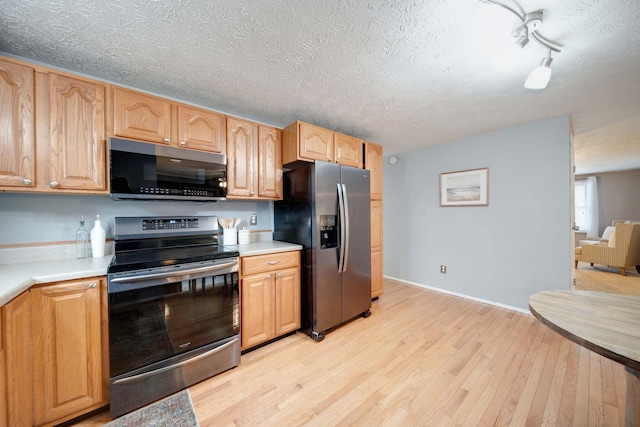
column 402, row 73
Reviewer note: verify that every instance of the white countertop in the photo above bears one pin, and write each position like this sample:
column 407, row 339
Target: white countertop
column 18, row 277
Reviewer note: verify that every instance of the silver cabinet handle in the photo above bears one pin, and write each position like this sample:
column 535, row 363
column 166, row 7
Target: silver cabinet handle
column 253, row 193
column 183, row 143
column 26, row 181
column 54, row 184
column 166, row 139
column 92, row 285
column 273, row 262
column 262, row 193
column 279, row 275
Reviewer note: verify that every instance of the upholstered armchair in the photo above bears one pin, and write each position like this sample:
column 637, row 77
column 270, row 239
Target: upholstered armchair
column 622, row 250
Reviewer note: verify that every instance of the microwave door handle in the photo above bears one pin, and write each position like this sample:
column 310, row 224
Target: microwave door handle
column 177, row 273
column 343, row 229
column 347, row 221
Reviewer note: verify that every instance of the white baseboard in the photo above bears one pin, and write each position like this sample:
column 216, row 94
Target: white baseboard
column 496, row 304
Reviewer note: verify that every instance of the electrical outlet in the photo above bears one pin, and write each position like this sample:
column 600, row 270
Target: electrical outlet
column 253, row 219
column 443, row 269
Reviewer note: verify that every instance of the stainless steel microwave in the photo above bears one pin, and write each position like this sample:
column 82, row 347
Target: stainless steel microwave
column 139, row 170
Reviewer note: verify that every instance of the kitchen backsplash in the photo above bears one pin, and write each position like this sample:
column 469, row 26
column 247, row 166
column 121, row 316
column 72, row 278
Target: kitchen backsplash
column 33, row 226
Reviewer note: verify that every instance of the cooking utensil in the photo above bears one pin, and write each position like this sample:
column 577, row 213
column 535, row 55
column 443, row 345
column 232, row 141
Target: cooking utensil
column 222, row 222
column 237, row 223
column 229, row 222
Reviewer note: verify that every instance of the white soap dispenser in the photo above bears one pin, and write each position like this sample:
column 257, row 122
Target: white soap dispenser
column 97, row 239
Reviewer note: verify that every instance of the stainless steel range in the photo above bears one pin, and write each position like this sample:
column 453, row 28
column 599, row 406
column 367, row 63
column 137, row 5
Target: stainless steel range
column 173, row 308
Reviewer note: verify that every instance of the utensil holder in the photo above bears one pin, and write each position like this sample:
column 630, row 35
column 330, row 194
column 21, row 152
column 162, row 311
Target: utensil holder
column 229, row 236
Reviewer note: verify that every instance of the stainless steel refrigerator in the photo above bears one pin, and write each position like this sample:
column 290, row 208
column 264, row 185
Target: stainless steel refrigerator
column 326, row 210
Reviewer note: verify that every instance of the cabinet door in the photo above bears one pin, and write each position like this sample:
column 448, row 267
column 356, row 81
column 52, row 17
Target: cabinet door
column 242, row 176
column 347, row 150
column 315, row 143
column 287, row 300
column 201, row 130
column 258, row 322
column 373, row 162
column 17, row 135
column 377, row 279
column 270, row 162
column 16, row 324
column 77, row 134
column 140, row 116
column 67, row 373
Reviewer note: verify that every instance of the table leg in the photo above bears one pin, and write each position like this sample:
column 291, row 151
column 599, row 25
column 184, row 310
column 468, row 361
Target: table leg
column 632, row 415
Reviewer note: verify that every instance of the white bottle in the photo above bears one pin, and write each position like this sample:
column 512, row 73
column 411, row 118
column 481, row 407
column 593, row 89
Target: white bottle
column 97, row 239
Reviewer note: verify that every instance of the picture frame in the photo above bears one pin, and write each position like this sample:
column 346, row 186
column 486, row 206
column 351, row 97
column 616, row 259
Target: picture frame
column 465, row 188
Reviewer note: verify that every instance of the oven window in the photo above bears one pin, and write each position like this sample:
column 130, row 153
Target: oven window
column 151, row 324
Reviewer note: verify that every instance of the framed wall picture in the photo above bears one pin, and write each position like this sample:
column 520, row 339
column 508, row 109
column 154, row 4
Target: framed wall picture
column 465, row 188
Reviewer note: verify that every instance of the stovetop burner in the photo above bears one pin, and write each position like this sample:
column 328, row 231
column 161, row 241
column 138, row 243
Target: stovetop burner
column 171, row 241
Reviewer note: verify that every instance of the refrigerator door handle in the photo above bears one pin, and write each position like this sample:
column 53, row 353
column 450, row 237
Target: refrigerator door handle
column 347, row 221
column 343, row 228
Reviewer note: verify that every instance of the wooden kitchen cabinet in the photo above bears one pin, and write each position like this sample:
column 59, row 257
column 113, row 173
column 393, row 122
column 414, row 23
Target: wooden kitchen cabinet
column 376, row 249
column 270, row 297
column 373, row 162
column 77, row 140
column 254, row 160
column 16, row 351
column 17, row 140
column 306, row 142
column 141, row 116
column 59, row 326
column 150, row 118
column 66, row 330
column 200, row 129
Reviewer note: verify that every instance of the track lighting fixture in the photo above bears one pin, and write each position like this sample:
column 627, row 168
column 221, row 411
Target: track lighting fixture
column 525, row 29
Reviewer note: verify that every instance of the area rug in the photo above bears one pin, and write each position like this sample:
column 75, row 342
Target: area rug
column 176, row 411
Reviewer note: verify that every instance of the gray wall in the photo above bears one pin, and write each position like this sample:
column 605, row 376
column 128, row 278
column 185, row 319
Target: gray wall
column 36, row 218
column 518, row 245
column 618, row 196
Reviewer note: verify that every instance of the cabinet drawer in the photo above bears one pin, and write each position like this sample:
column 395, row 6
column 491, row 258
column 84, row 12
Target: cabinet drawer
column 270, row 262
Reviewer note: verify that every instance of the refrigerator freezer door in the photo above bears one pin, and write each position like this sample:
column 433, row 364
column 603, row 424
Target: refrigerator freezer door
column 327, row 286
column 356, row 279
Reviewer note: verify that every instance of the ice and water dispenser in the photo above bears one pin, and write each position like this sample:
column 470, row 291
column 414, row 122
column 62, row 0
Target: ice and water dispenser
column 328, row 231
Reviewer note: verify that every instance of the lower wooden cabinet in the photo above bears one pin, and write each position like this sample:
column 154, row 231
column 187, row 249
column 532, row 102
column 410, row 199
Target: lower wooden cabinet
column 270, row 297
column 59, row 325
column 377, row 285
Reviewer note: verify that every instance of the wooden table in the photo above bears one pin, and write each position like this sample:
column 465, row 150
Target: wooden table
column 605, row 323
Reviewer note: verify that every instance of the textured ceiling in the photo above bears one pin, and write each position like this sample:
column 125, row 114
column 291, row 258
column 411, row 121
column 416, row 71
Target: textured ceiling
column 402, row 73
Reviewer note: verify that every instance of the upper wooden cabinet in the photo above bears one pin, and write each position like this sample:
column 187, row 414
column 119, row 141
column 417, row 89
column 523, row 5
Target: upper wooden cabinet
column 347, row 150
column 373, row 162
column 17, row 135
column 306, row 142
column 140, row 116
column 200, row 129
column 269, row 162
column 77, row 142
column 150, row 118
column 254, row 160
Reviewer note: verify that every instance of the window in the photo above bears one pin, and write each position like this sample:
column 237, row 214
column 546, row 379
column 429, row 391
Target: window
column 580, row 203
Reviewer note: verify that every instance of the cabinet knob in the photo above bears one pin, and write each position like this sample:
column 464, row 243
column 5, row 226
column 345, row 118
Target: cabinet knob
column 262, row 193
column 253, row 193
column 279, row 275
column 92, row 285
column 183, row 143
column 54, row 184
column 268, row 277
column 26, row 181
column 167, row 139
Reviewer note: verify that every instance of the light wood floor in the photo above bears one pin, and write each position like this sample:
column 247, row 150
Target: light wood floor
column 422, row 358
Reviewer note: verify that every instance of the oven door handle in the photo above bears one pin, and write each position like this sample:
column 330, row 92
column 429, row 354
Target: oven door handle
column 174, row 366
column 173, row 273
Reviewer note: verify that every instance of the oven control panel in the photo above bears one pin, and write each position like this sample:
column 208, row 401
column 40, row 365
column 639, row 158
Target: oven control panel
column 169, row 223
